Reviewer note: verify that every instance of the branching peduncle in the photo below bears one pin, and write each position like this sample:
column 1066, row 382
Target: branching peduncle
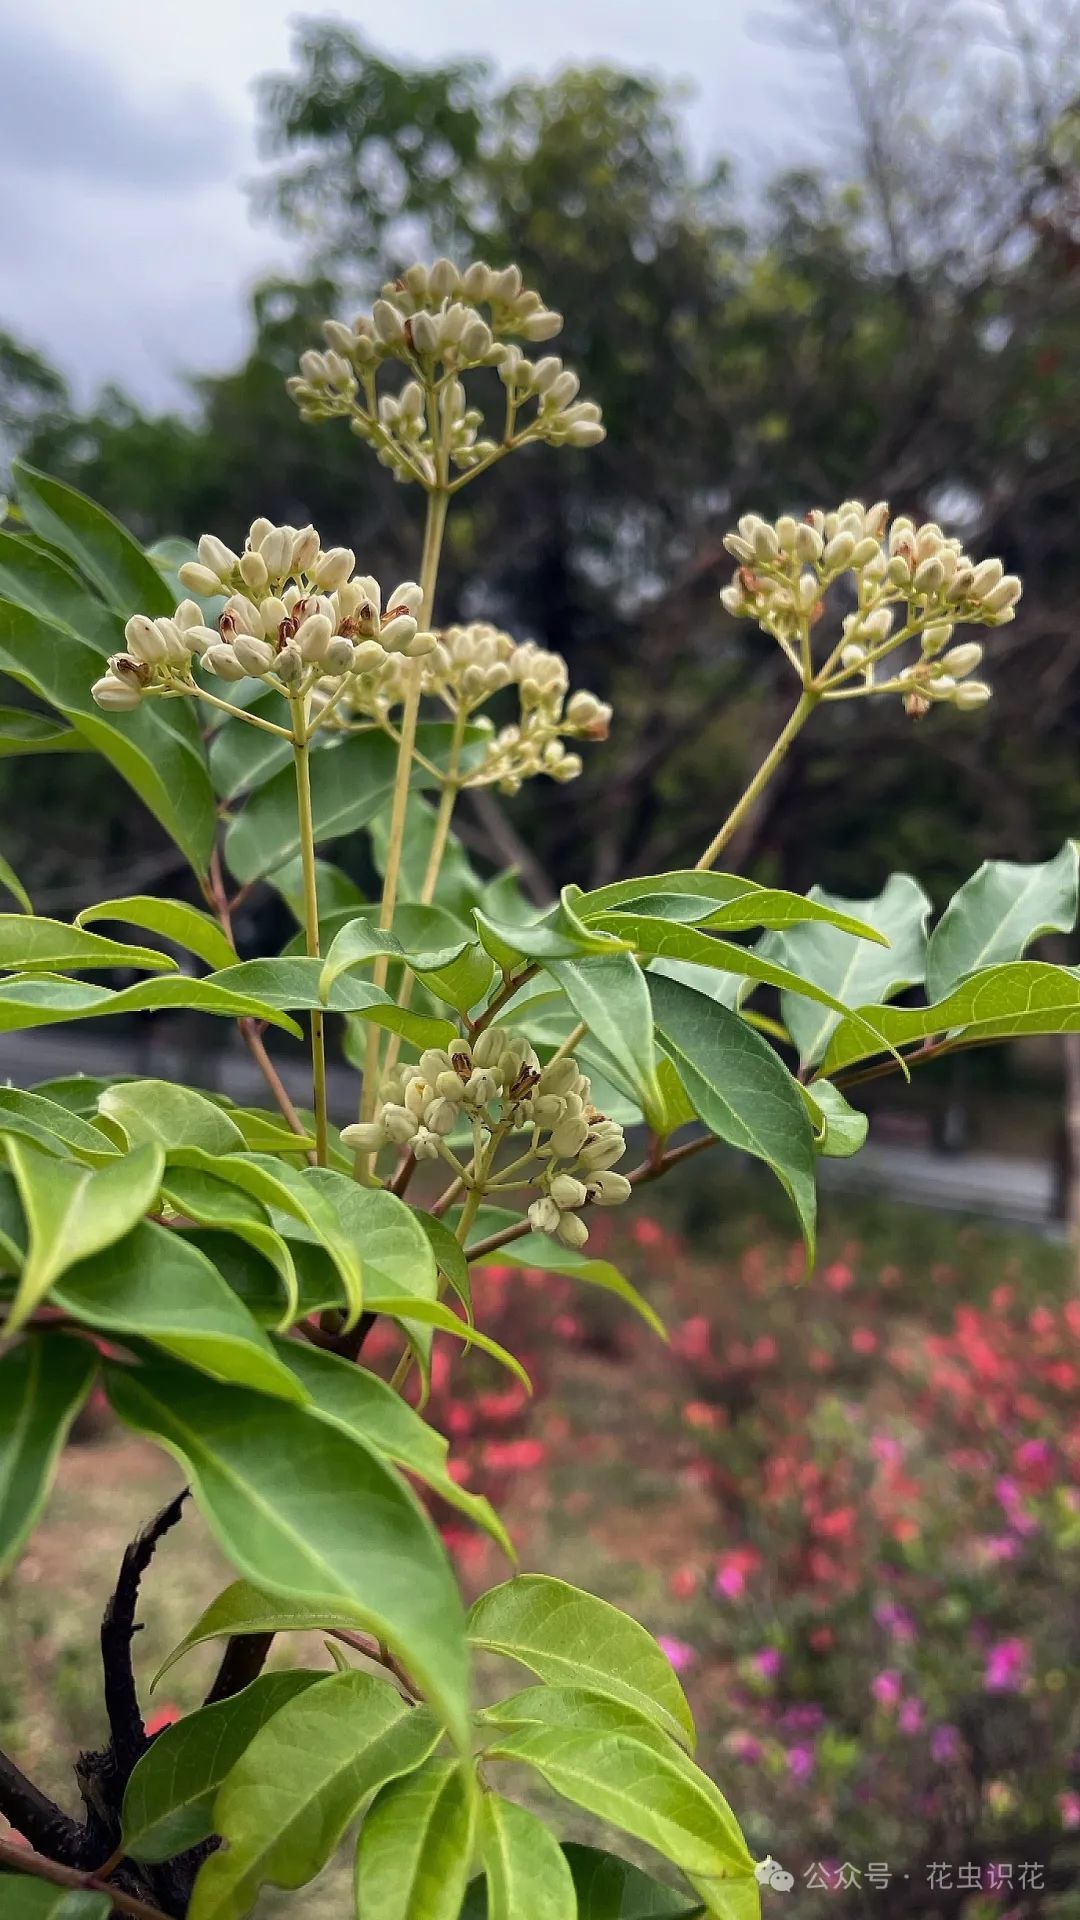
column 302, row 763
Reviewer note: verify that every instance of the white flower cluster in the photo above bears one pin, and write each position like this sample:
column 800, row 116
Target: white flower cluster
column 464, row 669
column 496, row 1082
column 440, row 322
column 909, row 583
column 295, row 616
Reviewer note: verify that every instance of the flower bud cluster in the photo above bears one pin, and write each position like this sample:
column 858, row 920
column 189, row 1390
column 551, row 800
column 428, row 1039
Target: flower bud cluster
column 909, row 583
column 469, row 665
column 295, row 615
column 496, row 1082
column 440, row 322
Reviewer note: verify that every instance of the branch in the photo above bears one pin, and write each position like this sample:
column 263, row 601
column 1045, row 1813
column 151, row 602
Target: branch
column 650, row 1169
column 242, row 1662
column 256, row 1046
column 24, row 1860
column 37, row 1817
column 127, row 1733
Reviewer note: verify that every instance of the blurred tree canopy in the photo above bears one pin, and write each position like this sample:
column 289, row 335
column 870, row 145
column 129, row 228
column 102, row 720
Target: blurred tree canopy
column 903, row 322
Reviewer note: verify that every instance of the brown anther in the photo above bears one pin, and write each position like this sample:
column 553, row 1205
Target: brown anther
column 916, row 706
column 748, row 581
column 349, row 627
column 285, row 632
column 524, row 1084
column 227, row 625
column 462, row 1064
column 129, row 668
column 817, row 612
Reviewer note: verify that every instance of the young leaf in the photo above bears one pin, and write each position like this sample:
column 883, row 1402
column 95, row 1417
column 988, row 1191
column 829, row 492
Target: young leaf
column 524, row 1866
column 415, row 1848
column 718, row 900
column 294, row 982
column 559, row 935
column 242, row 1609
column 360, row 1403
column 28, row 943
column 300, row 1782
column 11, row 883
column 309, row 1513
column 541, row 1251
column 52, row 1127
column 1000, row 1003
column 176, row 1116
column 853, row 973
column 359, row 943
column 72, row 1212
column 610, row 995
column 43, row 1383
column 218, row 1202
column 839, row 1130
column 740, row 1088
column 169, row 1799
column 569, row 1637
column 154, row 1285
column 101, row 548
column 42, row 1000
column 608, row 1888
column 998, row 913
column 174, row 919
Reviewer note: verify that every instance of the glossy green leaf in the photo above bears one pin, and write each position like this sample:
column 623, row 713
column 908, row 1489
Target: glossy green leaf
column 174, row 920
column 243, row 1609
column 854, row 973
column 157, row 749
column 101, row 548
column 294, row 983
column 299, row 1784
column 176, row 1116
column 449, row 1257
column 72, row 1212
column 169, row 1799
column 360, row 1403
column 696, row 883
column 415, row 1849
column 44, row 1381
column 554, row 1706
column 11, row 883
column 1000, row 1003
column 839, row 1130
column 40, row 581
column 718, row 901
column 12, row 1225
column 659, row 1796
column 28, row 944
column 154, row 1285
column 28, row 1899
column 328, row 1210
column 214, row 1200
column 524, row 1866
column 610, row 995
column 548, row 1255
column 42, row 1000
column 559, row 934
column 435, row 1315
column 571, row 1638
column 459, row 887
column 740, row 1088
column 52, row 1127
column 608, row 1888
column 23, row 733
column 998, row 913
column 310, row 1513
column 243, row 757
column 359, row 943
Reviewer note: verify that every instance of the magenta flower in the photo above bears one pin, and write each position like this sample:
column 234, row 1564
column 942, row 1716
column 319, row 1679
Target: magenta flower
column 1068, row 1805
column 1006, row 1666
column 768, row 1662
column 886, row 1687
column 800, row 1762
column 910, row 1717
column 944, row 1743
column 678, row 1652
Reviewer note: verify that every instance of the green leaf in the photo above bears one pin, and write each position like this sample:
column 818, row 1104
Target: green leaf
column 1000, row 1003
column 307, row 1512
column 28, row 1899
column 854, row 974
column 839, row 1130
column 415, row 1848
column 360, row 1403
column 175, row 920
column 174, row 1115
column 540, row 1250
column 169, row 1799
column 243, row 757
column 154, row 1285
column 718, row 900
column 11, row 883
column 42, row 1000
column 610, row 995
column 52, row 1127
column 524, row 1866
column 740, row 1088
column 157, row 749
column 608, row 1888
column 559, row 934
column 659, row 1796
column 72, row 1212
column 459, row 886
column 300, row 1782
column 23, row 733
column 998, row 913
column 43, row 1383
column 328, row 1210
column 38, row 580
column 243, row 1609
column 50, row 945
column 294, row 983
column 101, row 548
column 440, row 1318
column 218, row 1201
column 360, row 943
column 449, row 1256
column 554, row 1706
column 569, row 1637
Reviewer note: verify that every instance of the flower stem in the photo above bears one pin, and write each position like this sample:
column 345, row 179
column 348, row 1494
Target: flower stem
column 760, row 781
column 302, row 762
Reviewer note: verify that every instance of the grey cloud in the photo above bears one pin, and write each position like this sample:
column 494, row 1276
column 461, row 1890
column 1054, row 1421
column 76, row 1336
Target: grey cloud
column 67, row 115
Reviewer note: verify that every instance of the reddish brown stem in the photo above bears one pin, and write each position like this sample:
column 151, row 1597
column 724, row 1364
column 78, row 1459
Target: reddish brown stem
column 24, row 1860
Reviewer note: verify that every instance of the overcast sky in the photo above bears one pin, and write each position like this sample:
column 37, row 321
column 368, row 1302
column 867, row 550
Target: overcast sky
column 127, row 136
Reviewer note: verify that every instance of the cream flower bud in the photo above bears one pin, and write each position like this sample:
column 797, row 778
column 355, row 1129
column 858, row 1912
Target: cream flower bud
column 289, row 664
column 476, row 281
column 368, row 655
column 936, row 637
column 188, row 614
column 421, row 645
column 808, row 544
column 443, row 279
column 488, row 1047
column 144, row 640
column 476, row 339
column 852, row 655
column 397, row 633
column 425, row 333
column 481, row 1087
column 340, row 337
column 986, row 575
column 568, row 1192
column 272, row 611
column 606, row 1146
column 365, row 1136
column 963, row 660
column 571, row 1230
column 276, row 550
column 838, row 552
column 255, row 656
column 305, row 549
column 544, row 1216
column 199, row 579
column 313, row 636
column 407, row 596
column 388, row 322
column 115, row 695
column 217, row 557
column 338, row 657
column 400, row 1124
column 198, row 639
column 970, row 694
column 766, row 545
column 1005, row 594
column 568, row 1138
column 542, row 326
column 866, row 550
column 929, row 575
column 432, row 1062
column 253, row 571
column 449, row 1087
column 609, row 1189
column 331, row 569
column 425, row 1144
column 243, row 617
column 258, row 531
column 222, row 660
column 441, row 1116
